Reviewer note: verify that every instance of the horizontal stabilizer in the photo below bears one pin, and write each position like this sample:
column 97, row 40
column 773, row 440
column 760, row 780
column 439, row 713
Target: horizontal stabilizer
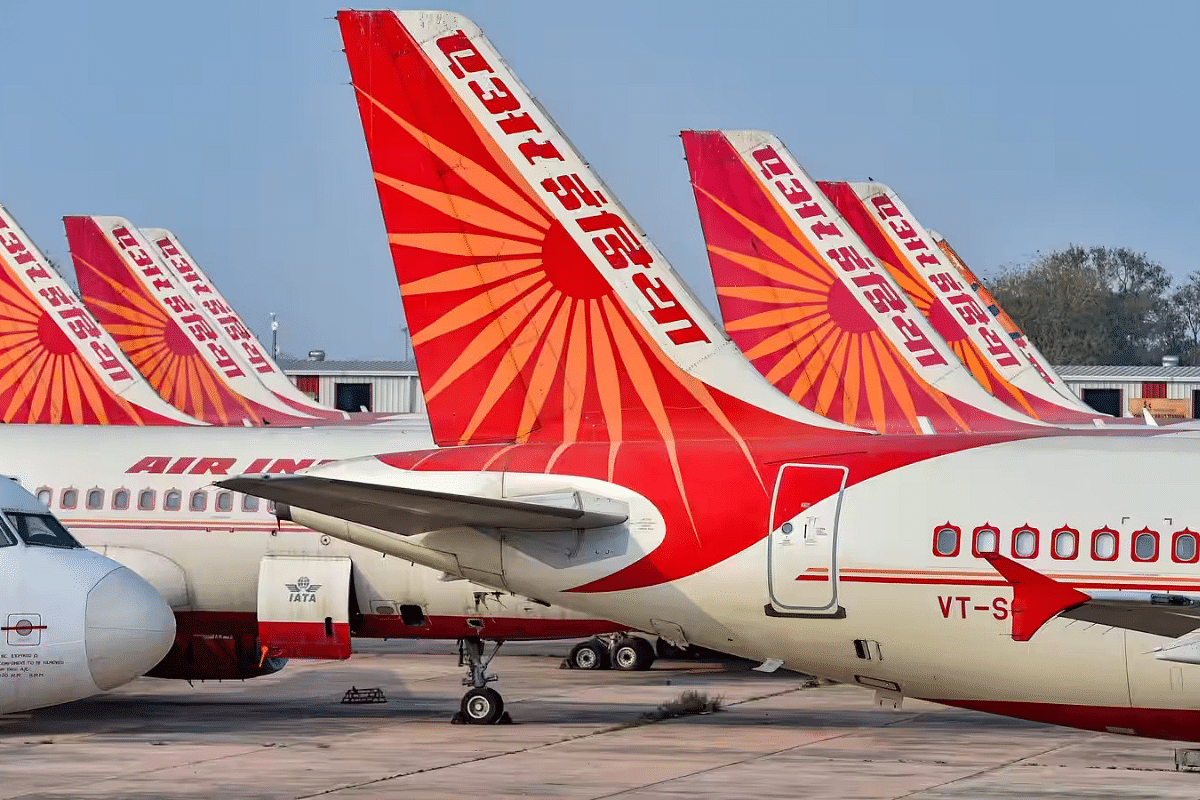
column 1036, row 597
column 412, row 511
column 1157, row 613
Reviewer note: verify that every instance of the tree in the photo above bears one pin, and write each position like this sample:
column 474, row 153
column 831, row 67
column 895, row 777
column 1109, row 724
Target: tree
column 1186, row 305
column 1095, row 305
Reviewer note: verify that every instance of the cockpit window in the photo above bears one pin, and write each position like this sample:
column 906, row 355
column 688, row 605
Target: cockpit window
column 6, row 538
column 42, row 530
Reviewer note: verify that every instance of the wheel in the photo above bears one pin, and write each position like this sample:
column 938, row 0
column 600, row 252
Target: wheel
column 482, row 706
column 633, row 653
column 591, row 654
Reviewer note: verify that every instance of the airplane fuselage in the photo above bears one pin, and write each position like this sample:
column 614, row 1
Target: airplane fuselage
column 882, row 584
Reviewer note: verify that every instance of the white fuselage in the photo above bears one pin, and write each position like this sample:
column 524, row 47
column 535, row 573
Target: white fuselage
column 932, row 626
column 202, row 547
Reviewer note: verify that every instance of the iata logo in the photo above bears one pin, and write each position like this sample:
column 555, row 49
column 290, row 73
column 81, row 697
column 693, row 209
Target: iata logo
column 302, row 591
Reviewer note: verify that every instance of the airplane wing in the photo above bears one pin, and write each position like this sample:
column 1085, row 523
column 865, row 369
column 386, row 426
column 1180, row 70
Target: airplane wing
column 412, row 511
column 1038, row 598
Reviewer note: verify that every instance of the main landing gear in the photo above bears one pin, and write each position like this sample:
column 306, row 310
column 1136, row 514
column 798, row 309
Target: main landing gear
column 615, row 651
column 481, row 705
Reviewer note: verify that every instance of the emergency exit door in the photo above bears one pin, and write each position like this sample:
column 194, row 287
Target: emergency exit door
column 802, row 543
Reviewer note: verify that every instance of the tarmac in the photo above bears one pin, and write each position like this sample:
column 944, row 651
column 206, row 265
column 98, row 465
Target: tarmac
column 575, row 735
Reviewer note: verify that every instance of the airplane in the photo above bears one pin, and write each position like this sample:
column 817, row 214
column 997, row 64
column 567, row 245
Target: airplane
column 74, row 622
column 812, row 309
column 595, row 458
column 238, row 337
column 59, row 366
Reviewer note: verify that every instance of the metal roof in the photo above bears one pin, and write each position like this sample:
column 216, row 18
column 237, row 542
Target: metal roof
column 304, row 366
column 1132, row 373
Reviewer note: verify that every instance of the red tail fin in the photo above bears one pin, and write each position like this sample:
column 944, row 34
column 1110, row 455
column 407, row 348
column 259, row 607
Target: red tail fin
column 1028, row 349
column 538, row 310
column 802, row 297
column 899, row 242
column 58, row 365
column 162, row 335
column 205, row 295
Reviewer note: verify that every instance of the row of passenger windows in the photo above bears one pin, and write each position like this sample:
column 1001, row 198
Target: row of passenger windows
column 1065, row 543
column 146, row 500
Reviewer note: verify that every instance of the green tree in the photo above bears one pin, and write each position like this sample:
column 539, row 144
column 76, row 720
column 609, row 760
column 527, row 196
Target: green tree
column 1185, row 303
column 1096, row 305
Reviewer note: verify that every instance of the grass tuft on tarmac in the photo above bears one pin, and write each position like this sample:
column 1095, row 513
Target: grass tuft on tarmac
column 688, row 703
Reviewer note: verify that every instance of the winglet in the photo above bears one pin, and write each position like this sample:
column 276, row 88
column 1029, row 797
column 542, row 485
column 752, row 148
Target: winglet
column 1036, row 598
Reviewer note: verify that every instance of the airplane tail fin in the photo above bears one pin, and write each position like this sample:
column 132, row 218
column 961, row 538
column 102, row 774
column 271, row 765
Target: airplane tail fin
column 58, row 364
column 538, row 310
column 1028, row 349
column 803, row 298
column 204, row 293
column 163, row 334
column 902, row 245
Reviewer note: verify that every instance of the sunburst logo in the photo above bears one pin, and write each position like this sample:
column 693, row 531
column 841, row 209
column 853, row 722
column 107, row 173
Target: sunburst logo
column 153, row 341
column 44, row 378
column 522, row 342
column 519, row 336
column 922, row 295
column 791, row 314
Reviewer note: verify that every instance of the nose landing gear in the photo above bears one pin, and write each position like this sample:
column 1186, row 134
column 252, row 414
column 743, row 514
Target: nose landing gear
column 481, row 705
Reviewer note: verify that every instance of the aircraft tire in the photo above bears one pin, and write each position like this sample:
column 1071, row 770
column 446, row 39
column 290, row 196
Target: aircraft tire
column 482, row 706
column 591, row 654
column 633, row 654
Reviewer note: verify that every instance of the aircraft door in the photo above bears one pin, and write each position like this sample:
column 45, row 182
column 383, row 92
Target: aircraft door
column 802, row 542
column 304, row 607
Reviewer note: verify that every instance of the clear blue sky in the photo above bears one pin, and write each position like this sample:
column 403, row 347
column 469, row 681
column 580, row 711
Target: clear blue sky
column 1011, row 127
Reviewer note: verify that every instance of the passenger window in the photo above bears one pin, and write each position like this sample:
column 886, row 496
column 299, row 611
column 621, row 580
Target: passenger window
column 249, row 503
column 121, row 499
column 198, row 501
column 1025, row 542
column 95, row 498
column 69, row 499
column 987, row 540
column 1145, row 545
column 946, row 540
column 1104, row 544
column 224, row 501
column 1184, row 549
column 1066, row 543
column 146, row 500
column 45, row 495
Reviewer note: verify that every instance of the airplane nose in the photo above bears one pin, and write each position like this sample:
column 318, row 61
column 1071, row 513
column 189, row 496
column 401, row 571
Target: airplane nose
column 128, row 628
